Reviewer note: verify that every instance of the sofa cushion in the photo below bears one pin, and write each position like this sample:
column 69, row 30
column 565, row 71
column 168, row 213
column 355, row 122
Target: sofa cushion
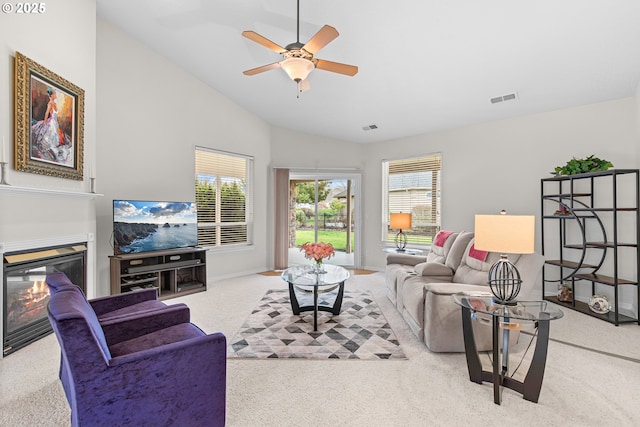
column 134, row 309
column 530, row 268
column 441, row 246
column 473, row 271
column 413, row 293
column 458, row 249
column 433, row 269
column 405, row 259
column 393, row 273
column 443, row 320
column 172, row 334
column 401, row 277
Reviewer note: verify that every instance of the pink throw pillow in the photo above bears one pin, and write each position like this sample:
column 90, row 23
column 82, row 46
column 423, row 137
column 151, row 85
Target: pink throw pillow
column 442, row 237
column 477, row 254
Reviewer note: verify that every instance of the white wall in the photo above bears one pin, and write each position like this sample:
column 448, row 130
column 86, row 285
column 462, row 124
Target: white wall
column 63, row 41
column 299, row 150
column 498, row 165
column 151, row 116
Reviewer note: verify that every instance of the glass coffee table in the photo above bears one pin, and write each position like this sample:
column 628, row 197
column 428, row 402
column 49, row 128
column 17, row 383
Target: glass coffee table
column 480, row 306
column 305, row 285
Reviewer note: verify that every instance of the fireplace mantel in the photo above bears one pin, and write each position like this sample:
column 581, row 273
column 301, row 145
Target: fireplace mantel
column 45, row 242
column 45, row 191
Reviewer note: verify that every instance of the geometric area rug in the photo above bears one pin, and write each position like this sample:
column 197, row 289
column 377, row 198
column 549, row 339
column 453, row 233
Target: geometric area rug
column 272, row 331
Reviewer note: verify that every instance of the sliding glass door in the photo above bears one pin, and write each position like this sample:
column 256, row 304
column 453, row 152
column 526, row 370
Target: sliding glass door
column 325, row 208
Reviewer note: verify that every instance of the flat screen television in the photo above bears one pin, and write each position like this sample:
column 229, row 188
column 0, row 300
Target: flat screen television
column 143, row 226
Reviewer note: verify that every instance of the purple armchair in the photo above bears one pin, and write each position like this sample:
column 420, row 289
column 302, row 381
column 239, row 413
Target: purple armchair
column 154, row 368
column 114, row 307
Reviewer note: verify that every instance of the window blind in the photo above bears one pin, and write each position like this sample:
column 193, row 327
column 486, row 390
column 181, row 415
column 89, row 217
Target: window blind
column 412, row 186
column 224, row 196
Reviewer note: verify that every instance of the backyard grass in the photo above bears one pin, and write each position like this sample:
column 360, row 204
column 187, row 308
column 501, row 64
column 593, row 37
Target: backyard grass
column 337, row 238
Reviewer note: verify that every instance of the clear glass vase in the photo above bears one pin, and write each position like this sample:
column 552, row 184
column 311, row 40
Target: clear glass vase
column 318, row 267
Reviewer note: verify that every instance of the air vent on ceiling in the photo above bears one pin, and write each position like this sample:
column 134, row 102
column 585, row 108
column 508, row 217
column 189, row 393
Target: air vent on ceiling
column 370, row 127
column 507, row 97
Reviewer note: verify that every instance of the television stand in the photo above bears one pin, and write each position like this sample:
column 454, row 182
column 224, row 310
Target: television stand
column 172, row 272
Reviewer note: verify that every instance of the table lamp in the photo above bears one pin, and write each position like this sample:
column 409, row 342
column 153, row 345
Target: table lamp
column 400, row 221
column 505, row 234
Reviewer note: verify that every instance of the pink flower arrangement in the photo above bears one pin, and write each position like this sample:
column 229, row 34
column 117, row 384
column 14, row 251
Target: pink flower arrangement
column 317, row 251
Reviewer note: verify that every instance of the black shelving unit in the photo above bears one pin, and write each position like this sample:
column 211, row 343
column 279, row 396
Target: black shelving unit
column 580, row 219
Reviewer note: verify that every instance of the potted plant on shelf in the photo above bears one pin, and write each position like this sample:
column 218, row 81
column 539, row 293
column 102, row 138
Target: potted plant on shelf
column 588, row 164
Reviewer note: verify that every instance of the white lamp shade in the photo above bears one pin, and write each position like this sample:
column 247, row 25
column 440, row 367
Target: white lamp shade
column 505, row 234
column 401, row 221
column 297, row 68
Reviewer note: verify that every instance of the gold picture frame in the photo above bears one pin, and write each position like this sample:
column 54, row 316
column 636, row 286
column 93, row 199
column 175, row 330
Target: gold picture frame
column 49, row 122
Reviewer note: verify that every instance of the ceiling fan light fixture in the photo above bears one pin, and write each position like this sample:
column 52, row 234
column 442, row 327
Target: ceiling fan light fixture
column 298, row 58
column 297, row 68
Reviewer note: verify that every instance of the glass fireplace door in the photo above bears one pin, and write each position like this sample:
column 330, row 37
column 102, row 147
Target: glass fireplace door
column 26, row 296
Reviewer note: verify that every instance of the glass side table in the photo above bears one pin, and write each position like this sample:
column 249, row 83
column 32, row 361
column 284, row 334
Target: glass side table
column 482, row 307
column 406, row 251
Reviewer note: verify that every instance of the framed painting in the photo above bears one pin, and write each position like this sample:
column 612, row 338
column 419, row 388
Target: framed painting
column 49, row 114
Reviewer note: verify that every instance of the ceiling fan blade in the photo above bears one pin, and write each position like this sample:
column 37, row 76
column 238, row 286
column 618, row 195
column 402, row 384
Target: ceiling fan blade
column 262, row 69
column 321, row 39
column 336, row 67
column 252, row 35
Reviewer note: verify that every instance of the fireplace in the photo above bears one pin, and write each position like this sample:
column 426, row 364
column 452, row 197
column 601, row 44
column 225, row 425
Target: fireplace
column 26, row 293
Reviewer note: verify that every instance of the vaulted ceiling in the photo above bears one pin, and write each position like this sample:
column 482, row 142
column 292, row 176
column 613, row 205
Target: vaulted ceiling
column 424, row 65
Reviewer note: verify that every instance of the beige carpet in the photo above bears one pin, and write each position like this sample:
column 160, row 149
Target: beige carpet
column 581, row 388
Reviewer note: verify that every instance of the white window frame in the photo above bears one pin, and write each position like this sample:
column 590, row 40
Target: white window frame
column 249, row 186
column 386, row 241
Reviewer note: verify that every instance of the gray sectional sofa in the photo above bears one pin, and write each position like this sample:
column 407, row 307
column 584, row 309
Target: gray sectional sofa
column 421, row 288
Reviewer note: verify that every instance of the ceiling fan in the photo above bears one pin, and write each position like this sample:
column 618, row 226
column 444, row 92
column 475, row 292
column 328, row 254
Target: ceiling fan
column 298, row 59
